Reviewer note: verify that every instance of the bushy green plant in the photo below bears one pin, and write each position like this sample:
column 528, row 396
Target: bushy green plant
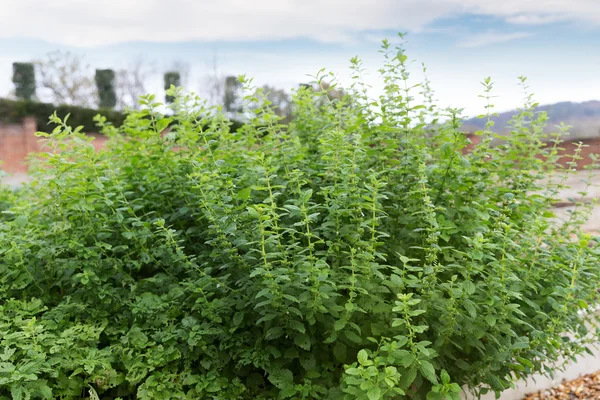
column 105, row 83
column 358, row 253
column 24, row 80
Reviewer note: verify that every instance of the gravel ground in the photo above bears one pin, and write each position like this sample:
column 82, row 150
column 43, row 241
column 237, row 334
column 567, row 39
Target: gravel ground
column 586, row 387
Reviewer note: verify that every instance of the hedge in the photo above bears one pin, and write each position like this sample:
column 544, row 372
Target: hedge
column 24, row 80
column 171, row 78
column 105, row 82
column 15, row 110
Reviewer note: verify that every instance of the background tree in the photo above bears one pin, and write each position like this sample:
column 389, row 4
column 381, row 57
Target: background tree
column 213, row 83
column 183, row 68
column 131, row 82
column 105, row 84
column 171, row 78
column 232, row 96
column 281, row 102
column 65, row 78
column 24, row 80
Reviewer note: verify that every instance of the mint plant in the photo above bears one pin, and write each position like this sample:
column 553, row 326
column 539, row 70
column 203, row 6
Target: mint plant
column 359, row 252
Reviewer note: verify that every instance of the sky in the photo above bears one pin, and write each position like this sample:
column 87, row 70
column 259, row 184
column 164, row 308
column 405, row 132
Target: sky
column 555, row 43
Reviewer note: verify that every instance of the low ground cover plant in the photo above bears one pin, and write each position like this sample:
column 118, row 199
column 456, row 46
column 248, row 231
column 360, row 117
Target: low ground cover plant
column 361, row 252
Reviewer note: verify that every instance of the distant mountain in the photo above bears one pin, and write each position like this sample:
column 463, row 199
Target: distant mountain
column 583, row 117
column 20, row 46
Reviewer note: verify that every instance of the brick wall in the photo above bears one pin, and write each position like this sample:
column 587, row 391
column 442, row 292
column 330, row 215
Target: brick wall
column 567, row 148
column 590, row 146
column 17, row 141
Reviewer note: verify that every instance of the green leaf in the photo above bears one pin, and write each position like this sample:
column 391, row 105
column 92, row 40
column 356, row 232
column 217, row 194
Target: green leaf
column 401, row 340
column 162, row 124
column 407, row 378
column 237, row 318
column 445, row 377
column 470, row 307
column 469, row 287
column 282, row 378
column 302, row 340
column 298, row 326
column 352, row 371
column 525, row 362
column 244, row 194
column 340, row 351
column 17, row 392
column 339, row 324
column 435, row 396
column 454, row 388
column 353, row 337
column 45, row 391
column 363, row 357
column 405, row 357
column 428, row 371
column 374, row 393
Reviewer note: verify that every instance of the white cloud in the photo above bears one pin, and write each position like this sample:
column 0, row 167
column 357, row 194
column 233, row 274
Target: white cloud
column 535, row 11
column 525, row 19
column 487, row 38
column 85, row 23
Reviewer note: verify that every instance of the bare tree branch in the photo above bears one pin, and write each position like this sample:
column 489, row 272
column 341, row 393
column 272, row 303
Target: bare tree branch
column 183, row 67
column 131, row 82
column 213, row 84
column 65, row 78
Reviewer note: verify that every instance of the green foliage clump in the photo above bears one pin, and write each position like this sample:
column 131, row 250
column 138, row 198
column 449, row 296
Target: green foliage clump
column 231, row 101
column 358, row 253
column 14, row 111
column 24, row 80
column 105, row 83
column 172, row 78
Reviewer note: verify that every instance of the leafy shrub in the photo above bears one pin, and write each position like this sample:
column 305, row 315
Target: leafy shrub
column 24, row 80
column 105, row 83
column 359, row 253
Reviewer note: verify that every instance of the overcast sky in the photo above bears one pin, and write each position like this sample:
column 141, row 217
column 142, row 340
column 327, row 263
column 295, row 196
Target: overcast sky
column 556, row 43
